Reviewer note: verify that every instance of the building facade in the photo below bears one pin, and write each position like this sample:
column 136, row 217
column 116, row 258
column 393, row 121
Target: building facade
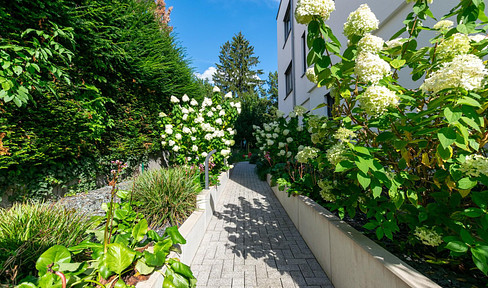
column 294, row 87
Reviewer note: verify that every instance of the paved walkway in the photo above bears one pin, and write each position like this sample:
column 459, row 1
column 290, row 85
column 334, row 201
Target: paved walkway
column 251, row 241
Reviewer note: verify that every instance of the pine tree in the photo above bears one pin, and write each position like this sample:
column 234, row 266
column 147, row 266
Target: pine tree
column 235, row 72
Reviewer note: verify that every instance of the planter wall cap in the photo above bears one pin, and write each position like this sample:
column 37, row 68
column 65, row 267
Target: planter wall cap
column 319, row 208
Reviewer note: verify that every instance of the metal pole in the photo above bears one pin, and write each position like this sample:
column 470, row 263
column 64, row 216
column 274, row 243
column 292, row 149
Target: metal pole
column 206, row 167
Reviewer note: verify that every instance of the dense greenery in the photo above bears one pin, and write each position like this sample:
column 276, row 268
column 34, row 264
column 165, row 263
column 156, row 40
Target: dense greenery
column 27, row 230
column 167, row 195
column 410, row 161
column 82, row 82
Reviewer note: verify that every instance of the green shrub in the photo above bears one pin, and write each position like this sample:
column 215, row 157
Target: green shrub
column 167, row 195
column 27, row 230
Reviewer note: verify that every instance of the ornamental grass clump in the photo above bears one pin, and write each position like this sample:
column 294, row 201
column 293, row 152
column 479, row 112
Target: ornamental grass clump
column 167, row 195
column 27, row 230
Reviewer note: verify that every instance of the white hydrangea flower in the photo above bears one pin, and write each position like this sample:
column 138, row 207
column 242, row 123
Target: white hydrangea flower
column 397, row 42
column 307, row 153
column 475, row 165
column 360, row 22
column 281, row 145
column 376, row 99
column 184, row 117
column 216, row 89
column 193, row 129
column 286, row 132
column 186, row 130
column 428, row 236
column 210, row 114
column 163, row 143
column 176, row 148
column 316, row 138
column 465, row 71
column 371, row 68
column 280, row 113
column 193, row 102
column 185, row 98
column 370, row 43
column 168, row 131
column 204, row 154
column 218, row 121
column 206, row 102
column 162, row 114
column 228, row 95
column 225, row 152
column 213, row 109
column 443, row 25
column 171, row 142
column 326, row 187
column 289, row 140
column 457, row 44
column 477, row 37
column 184, row 110
column 344, row 134
column 299, row 128
column 282, row 153
column 300, row 148
column 239, row 110
column 209, row 136
column 277, row 130
column 335, row 154
column 311, row 75
column 275, row 135
column 222, row 113
column 299, row 110
column 178, row 136
column 288, row 154
column 232, row 142
column 306, row 9
column 199, row 119
column 269, row 142
column 173, row 99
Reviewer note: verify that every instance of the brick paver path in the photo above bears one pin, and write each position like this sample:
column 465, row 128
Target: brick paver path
column 251, row 241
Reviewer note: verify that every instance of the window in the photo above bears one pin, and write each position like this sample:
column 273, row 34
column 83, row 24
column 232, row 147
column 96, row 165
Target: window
column 304, row 53
column 330, row 103
column 287, row 22
column 289, row 79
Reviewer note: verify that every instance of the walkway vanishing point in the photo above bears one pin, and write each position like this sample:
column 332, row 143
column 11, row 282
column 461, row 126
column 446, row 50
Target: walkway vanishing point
column 251, row 241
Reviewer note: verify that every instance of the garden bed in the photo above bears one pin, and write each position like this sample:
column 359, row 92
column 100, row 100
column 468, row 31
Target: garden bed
column 349, row 258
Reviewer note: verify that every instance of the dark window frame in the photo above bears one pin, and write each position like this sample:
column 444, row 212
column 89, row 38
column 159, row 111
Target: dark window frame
column 304, row 53
column 289, row 79
column 287, row 22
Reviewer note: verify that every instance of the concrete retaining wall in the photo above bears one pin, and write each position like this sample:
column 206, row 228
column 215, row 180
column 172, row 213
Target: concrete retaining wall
column 193, row 229
column 349, row 258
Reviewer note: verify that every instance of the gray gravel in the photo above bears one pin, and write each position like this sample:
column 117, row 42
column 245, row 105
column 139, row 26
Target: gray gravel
column 90, row 203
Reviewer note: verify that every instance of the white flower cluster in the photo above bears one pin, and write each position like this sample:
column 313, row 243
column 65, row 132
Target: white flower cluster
column 310, row 73
column 297, row 111
column 370, row 43
column 394, row 43
column 376, row 99
column 477, row 37
column 307, row 153
column 326, row 187
column 443, row 25
column 335, row 154
column 344, row 135
column 465, row 71
column 371, row 68
column 475, row 165
column 307, row 9
column 360, row 22
column 428, row 236
column 173, row 99
column 457, row 44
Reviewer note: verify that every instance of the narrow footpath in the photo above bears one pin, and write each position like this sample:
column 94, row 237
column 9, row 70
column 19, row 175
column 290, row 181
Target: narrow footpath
column 251, row 241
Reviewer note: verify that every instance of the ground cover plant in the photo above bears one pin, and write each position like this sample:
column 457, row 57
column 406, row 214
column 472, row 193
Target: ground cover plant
column 412, row 161
column 121, row 252
column 27, row 230
column 167, row 195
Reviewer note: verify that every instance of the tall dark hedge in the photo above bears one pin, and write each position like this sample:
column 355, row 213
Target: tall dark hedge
column 102, row 104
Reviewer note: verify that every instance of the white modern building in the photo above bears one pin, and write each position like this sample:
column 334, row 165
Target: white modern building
column 294, row 87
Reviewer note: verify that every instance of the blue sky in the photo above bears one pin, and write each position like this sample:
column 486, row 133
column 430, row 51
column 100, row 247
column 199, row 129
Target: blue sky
column 202, row 26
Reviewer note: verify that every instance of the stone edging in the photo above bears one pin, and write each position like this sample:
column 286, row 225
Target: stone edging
column 193, row 229
column 349, row 258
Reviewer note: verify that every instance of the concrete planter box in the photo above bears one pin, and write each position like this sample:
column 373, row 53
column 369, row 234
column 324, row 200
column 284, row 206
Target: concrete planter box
column 349, row 258
column 193, row 229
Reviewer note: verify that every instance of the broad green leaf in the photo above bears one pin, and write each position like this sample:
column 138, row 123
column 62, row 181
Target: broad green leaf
column 466, row 183
column 155, row 259
column 370, row 225
column 466, row 237
column 118, row 257
column 469, row 101
column 120, row 284
column 55, row 254
column 174, row 280
column 445, row 154
column 447, row 136
column 343, row 166
column 362, row 150
column 412, row 196
column 140, row 230
column 397, row 63
column 363, row 165
column 385, row 136
column 175, row 235
column 452, row 116
column 26, row 285
column 471, row 123
column 480, row 258
column 364, row 180
column 457, row 246
column 17, row 70
column 182, row 269
column 143, row 268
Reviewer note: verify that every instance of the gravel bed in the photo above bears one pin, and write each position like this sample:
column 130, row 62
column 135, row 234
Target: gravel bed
column 90, row 203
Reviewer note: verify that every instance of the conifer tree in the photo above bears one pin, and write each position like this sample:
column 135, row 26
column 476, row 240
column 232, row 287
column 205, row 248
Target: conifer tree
column 236, row 72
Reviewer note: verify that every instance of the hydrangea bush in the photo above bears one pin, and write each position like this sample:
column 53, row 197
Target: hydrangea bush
column 409, row 159
column 194, row 129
